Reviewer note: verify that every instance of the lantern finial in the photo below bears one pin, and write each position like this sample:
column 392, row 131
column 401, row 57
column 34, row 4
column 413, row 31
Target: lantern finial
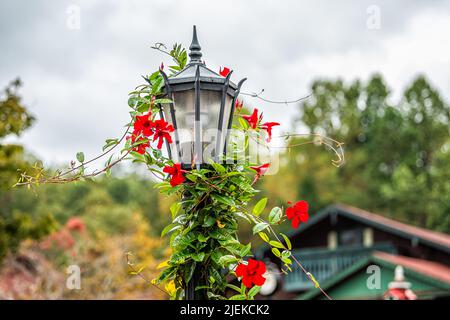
column 195, row 48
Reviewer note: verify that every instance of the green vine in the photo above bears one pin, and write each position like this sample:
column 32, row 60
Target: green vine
column 211, row 201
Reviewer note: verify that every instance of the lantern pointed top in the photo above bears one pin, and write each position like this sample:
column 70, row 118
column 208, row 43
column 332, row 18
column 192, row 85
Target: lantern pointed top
column 195, row 53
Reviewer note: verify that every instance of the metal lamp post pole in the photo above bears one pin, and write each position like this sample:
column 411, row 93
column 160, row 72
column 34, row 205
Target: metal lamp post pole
column 197, row 90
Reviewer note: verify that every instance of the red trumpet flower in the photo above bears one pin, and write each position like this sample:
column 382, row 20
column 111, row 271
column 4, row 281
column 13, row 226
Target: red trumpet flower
column 224, row 72
column 253, row 119
column 298, row 213
column 268, row 127
column 251, row 273
column 136, row 137
column 162, row 130
column 260, row 170
column 143, row 124
column 176, row 174
column 239, row 104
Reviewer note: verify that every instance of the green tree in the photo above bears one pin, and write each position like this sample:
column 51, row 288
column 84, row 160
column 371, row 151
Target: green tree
column 15, row 225
column 397, row 154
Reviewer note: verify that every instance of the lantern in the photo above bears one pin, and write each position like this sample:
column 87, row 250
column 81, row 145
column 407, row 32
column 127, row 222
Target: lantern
column 201, row 111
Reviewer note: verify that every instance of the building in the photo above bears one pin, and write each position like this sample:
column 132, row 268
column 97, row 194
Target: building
column 354, row 254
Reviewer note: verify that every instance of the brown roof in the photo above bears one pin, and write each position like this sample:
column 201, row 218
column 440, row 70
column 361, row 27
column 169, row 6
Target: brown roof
column 433, row 236
column 428, row 268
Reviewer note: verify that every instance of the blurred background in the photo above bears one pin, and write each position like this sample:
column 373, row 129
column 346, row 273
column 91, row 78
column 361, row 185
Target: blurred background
column 377, row 72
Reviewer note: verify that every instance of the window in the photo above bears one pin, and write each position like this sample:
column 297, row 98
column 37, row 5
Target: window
column 332, row 240
column 350, row 237
column 368, row 237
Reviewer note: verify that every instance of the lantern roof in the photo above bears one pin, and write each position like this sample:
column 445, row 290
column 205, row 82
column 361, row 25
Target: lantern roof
column 188, row 74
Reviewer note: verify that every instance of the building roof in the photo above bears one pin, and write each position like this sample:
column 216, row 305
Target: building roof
column 430, row 272
column 431, row 269
column 431, row 238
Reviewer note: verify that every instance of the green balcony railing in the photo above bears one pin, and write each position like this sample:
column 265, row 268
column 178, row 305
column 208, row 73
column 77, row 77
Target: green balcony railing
column 324, row 263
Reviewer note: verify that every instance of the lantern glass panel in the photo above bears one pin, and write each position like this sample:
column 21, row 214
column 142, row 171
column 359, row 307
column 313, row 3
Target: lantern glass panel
column 184, row 111
column 209, row 119
column 225, row 122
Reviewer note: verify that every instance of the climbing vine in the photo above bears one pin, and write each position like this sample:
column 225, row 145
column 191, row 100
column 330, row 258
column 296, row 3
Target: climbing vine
column 212, row 201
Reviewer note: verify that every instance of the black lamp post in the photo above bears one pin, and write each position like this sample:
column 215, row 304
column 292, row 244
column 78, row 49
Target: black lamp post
column 201, row 111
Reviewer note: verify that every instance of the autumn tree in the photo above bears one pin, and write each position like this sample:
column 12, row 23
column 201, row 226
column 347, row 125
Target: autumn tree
column 397, row 152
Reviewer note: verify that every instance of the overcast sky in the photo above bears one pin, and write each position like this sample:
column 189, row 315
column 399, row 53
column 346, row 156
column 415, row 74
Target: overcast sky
column 76, row 80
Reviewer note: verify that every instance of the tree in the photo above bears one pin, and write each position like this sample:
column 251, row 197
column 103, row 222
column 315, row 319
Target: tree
column 15, row 225
column 397, row 154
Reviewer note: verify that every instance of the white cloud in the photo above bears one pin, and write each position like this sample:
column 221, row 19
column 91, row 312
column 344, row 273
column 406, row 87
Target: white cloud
column 76, row 82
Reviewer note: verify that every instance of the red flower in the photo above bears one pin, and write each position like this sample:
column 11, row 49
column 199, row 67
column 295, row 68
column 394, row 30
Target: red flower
column 144, row 125
column 140, row 148
column 260, row 170
column 162, row 131
column 251, row 273
column 268, row 127
column 298, row 213
column 75, row 224
column 239, row 104
column 224, row 72
column 161, row 67
column 176, row 174
column 253, row 119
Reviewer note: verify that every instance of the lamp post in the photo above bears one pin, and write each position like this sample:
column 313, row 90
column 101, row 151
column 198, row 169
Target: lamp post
column 201, row 111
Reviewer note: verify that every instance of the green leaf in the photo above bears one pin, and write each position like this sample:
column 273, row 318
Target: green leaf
column 209, row 221
column 133, row 101
column 170, row 228
column 189, row 272
column 191, row 177
column 276, row 252
column 286, row 254
column 221, row 235
column 275, row 215
column 227, row 259
column 181, row 219
column 259, row 207
column 222, row 199
column 288, row 242
column 238, row 297
column 253, row 292
column 276, row 244
column 175, row 208
column 109, row 143
column 243, row 123
column 260, row 227
column 202, row 238
column 179, row 257
column 264, row 236
column 218, row 167
column 137, row 156
column 232, row 286
column 198, row 257
column 80, row 156
column 215, row 274
column 246, row 249
column 242, row 215
column 162, row 101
